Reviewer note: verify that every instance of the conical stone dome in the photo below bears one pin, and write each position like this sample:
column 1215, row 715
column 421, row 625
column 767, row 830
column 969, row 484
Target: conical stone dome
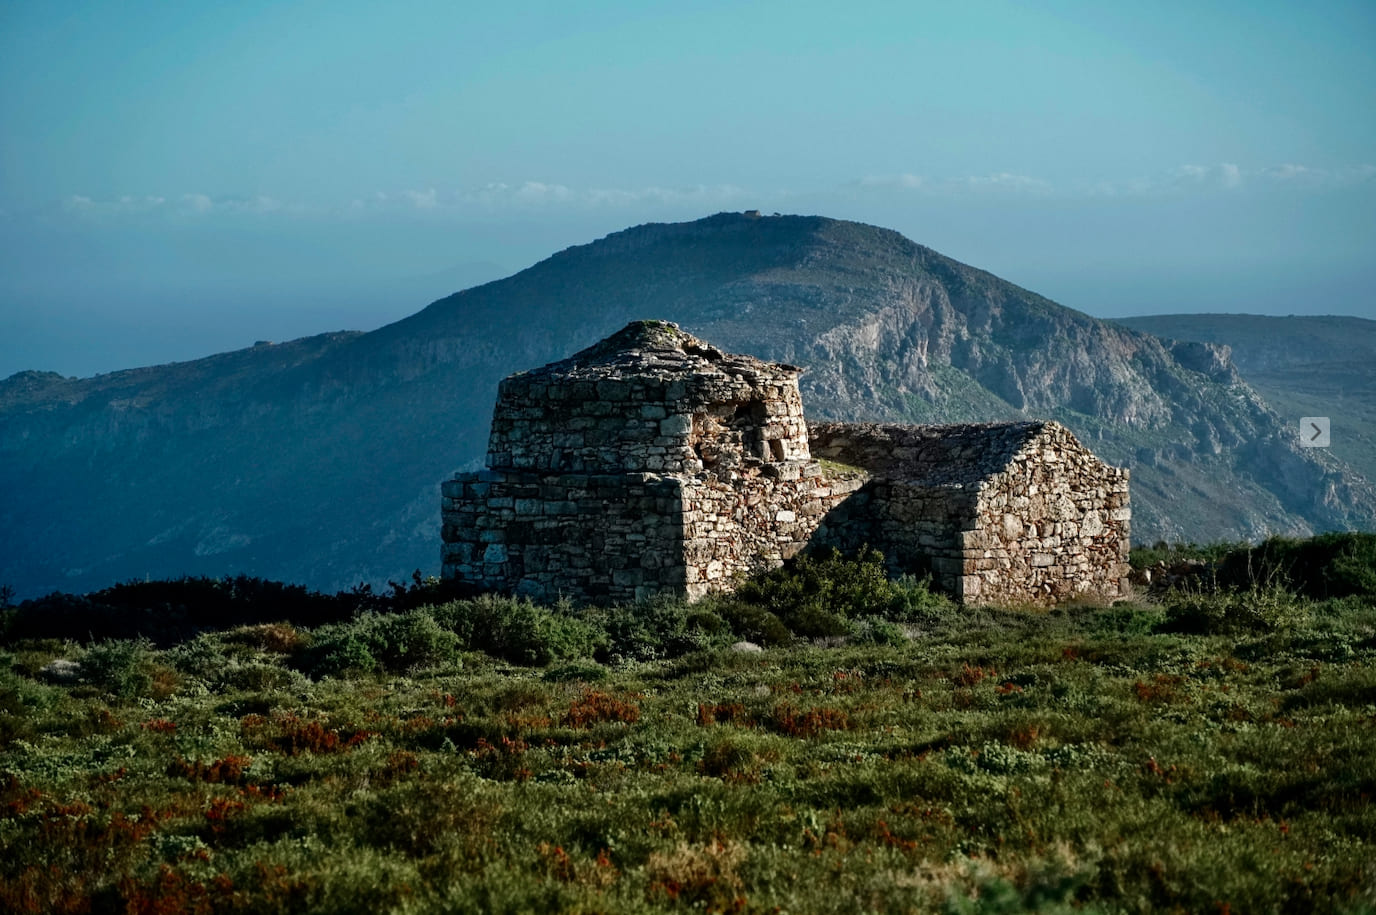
column 650, row 398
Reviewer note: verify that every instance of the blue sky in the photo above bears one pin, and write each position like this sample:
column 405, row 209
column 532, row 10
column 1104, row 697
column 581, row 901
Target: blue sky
column 179, row 179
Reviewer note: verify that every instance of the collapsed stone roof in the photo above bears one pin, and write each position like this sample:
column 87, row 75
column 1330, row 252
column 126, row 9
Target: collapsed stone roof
column 928, row 455
column 651, row 397
column 669, row 365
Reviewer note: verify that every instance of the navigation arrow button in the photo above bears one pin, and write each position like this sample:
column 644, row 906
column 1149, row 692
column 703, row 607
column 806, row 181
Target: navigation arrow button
column 1314, row 431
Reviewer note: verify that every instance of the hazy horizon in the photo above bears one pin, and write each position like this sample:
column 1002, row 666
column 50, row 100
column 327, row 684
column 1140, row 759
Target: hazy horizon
column 176, row 182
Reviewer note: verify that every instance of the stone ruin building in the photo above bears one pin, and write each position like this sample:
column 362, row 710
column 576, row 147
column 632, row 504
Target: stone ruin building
column 998, row 513
column 653, row 462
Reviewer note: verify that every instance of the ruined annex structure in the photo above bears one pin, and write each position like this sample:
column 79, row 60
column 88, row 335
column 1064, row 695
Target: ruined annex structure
column 1000, row 513
column 652, row 462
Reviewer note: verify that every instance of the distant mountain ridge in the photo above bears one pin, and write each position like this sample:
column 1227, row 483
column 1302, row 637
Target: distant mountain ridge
column 1303, row 365
column 318, row 461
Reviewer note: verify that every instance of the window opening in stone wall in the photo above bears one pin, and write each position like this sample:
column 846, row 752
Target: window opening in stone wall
column 706, row 437
column 748, row 423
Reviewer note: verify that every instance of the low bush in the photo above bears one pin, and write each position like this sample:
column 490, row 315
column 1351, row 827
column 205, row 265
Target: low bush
column 1142, row 557
column 1229, row 611
column 1329, row 565
column 821, row 595
column 172, row 610
column 662, row 627
column 518, row 630
column 122, row 666
column 374, row 641
column 752, row 623
column 875, row 630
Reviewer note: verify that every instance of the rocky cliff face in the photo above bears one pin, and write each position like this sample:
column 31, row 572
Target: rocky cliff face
column 1303, row 365
column 318, row 461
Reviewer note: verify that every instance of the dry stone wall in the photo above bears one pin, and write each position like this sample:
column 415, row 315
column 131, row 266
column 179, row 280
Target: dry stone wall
column 1006, row 513
column 752, row 521
column 598, row 537
column 1052, row 527
column 917, row 529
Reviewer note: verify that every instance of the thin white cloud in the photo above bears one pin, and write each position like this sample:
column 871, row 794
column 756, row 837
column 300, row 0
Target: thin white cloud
column 194, row 203
column 125, row 204
column 546, row 194
column 259, row 204
column 422, row 200
column 534, row 194
column 1228, row 176
column 539, row 195
column 994, row 183
column 1289, row 171
column 1006, row 181
column 700, row 194
column 1225, row 175
column 540, row 192
column 905, row 181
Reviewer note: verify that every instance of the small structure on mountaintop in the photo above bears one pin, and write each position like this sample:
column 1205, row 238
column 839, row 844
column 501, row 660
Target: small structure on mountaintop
column 653, row 462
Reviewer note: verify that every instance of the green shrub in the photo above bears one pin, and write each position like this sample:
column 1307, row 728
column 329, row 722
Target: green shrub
column 729, row 756
column 121, row 666
column 662, row 627
column 576, row 672
column 1128, row 619
column 517, row 630
column 914, row 601
column 1142, row 557
column 1329, row 565
column 255, row 676
column 752, row 623
column 875, row 630
column 1228, row 611
column 819, row 595
column 373, row 641
column 172, row 610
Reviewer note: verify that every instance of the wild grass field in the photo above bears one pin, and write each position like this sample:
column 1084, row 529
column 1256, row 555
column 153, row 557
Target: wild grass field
column 1209, row 749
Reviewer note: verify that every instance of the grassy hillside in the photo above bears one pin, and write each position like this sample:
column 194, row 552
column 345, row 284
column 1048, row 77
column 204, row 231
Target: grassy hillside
column 1208, row 752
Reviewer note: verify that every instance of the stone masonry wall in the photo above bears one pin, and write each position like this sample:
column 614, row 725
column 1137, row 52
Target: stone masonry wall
column 1053, row 527
column 625, row 537
column 756, row 519
column 1010, row 514
column 651, row 462
column 916, row 528
column 598, row 537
